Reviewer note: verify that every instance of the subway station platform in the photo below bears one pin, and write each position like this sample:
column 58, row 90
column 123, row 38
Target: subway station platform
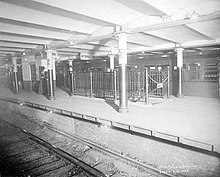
column 194, row 121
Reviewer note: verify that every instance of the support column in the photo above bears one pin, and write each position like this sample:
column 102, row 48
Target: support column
column 50, row 66
column 112, row 62
column 123, row 100
column 180, row 65
column 15, row 76
column 71, row 77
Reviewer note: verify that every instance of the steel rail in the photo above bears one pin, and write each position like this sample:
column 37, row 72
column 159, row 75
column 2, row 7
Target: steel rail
column 87, row 168
column 10, row 167
column 149, row 169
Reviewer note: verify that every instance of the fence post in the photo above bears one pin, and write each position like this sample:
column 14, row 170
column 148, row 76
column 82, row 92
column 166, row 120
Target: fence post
column 139, row 84
column 115, row 84
column 71, row 77
column 146, row 87
column 91, row 85
column 168, row 82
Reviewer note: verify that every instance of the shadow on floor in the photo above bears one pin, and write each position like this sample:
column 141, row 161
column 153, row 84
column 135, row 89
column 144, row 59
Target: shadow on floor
column 112, row 104
column 66, row 90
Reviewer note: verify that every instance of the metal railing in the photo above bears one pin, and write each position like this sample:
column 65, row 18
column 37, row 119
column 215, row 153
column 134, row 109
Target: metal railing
column 106, row 84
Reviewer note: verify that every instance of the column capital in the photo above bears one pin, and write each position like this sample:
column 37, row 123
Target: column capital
column 179, row 49
column 122, row 33
column 113, row 51
column 14, row 63
column 70, row 60
column 14, row 58
column 111, row 55
column 70, row 65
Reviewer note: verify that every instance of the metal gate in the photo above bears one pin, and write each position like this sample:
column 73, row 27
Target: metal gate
column 158, row 81
column 103, row 84
column 156, row 84
column 136, row 85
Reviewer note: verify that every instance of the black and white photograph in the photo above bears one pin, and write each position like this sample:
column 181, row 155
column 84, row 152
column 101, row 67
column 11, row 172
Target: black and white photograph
column 109, row 88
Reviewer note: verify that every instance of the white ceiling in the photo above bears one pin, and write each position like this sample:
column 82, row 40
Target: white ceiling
column 153, row 25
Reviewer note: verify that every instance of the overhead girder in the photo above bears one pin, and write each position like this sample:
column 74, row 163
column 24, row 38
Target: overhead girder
column 170, row 24
column 17, row 45
column 131, row 9
column 35, row 32
column 42, row 16
column 24, row 39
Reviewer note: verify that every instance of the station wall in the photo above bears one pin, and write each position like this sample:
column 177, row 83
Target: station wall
column 31, row 73
column 199, row 72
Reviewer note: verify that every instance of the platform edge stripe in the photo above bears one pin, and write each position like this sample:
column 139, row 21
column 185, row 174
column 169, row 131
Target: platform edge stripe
column 104, row 121
column 90, row 118
column 57, row 111
column 42, row 106
column 121, row 125
column 131, row 127
column 142, row 130
column 153, row 133
column 166, row 136
column 78, row 115
column 198, row 144
column 216, row 149
column 29, row 104
column 66, row 112
column 16, row 100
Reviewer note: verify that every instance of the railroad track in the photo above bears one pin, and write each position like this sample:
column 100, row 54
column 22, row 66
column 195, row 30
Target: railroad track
column 101, row 160
column 29, row 155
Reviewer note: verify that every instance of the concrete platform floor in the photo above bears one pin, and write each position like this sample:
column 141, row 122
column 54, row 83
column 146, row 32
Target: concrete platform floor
column 194, row 118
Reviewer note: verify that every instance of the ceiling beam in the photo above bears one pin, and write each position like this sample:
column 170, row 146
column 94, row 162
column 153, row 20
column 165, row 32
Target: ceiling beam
column 171, row 46
column 163, row 39
column 171, row 24
column 45, row 15
column 74, row 50
column 91, row 47
column 17, row 45
column 3, row 55
column 133, row 42
column 7, row 52
column 11, row 49
column 197, row 32
column 23, row 39
column 67, row 53
column 33, row 25
column 142, row 7
column 23, row 30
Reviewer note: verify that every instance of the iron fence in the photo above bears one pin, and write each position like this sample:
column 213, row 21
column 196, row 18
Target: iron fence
column 106, row 84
